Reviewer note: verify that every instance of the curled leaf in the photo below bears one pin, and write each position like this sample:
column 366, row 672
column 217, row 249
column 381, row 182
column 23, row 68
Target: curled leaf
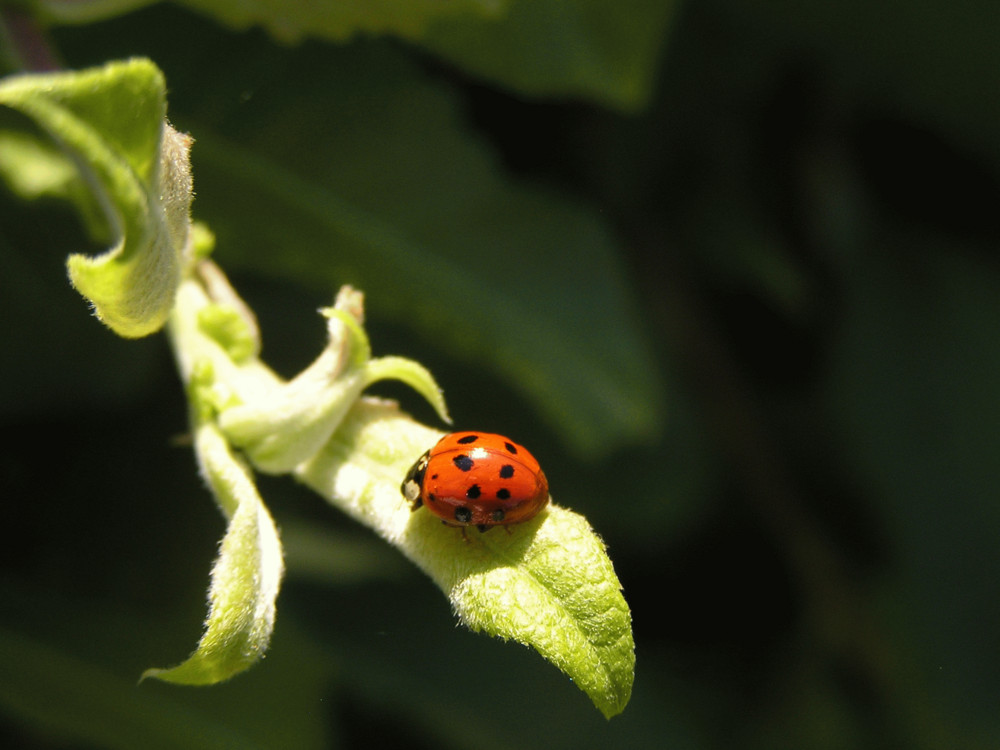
column 547, row 583
column 246, row 575
column 110, row 122
column 285, row 425
column 414, row 375
column 289, row 423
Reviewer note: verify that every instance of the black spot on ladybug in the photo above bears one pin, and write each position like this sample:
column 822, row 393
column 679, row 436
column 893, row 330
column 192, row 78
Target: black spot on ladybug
column 473, row 492
column 506, row 471
column 431, row 497
column 467, row 439
column 463, row 515
column 497, row 515
column 433, row 476
column 503, row 494
column 463, row 462
column 510, row 448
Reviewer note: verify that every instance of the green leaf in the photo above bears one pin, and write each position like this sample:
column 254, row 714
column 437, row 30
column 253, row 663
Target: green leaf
column 235, row 397
column 341, row 20
column 290, row 22
column 414, row 375
column 547, row 583
column 285, row 424
column 374, row 179
column 36, row 168
column 247, row 573
column 551, row 587
column 137, row 166
column 592, row 49
column 603, row 52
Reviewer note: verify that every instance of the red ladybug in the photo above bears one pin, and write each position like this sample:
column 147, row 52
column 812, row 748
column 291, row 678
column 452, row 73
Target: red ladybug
column 477, row 479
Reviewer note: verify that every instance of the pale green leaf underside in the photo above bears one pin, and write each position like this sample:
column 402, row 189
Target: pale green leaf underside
column 277, row 425
column 246, row 575
column 110, row 123
column 552, row 587
column 547, row 583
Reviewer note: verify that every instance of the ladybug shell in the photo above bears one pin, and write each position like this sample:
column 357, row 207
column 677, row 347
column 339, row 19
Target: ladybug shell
column 477, row 479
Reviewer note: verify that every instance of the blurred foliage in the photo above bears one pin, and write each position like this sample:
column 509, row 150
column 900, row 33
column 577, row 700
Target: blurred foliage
column 786, row 238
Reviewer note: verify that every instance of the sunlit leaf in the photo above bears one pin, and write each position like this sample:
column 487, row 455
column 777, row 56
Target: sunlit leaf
column 110, row 122
column 547, row 583
column 246, row 575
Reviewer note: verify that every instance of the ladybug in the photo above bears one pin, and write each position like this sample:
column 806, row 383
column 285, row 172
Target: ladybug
column 477, row 479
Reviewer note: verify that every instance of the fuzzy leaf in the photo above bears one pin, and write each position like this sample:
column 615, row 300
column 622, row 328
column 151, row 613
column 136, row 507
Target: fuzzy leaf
column 547, row 583
column 289, row 422
column 110, row 121
column 414, row 375
column 246, row 575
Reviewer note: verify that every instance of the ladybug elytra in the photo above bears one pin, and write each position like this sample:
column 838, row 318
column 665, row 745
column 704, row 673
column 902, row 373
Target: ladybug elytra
column 477, row 479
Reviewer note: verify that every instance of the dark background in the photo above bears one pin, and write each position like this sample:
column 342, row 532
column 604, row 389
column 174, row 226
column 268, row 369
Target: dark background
column 805, row 208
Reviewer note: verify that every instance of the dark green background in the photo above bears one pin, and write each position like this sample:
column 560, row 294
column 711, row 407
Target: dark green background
column 806, row 216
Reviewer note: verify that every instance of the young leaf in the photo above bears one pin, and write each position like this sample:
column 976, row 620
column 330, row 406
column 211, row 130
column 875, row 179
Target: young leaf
column 547, row 583
column 414, row 375
column 247, row 573
column 110, row 121
column 290, row 422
